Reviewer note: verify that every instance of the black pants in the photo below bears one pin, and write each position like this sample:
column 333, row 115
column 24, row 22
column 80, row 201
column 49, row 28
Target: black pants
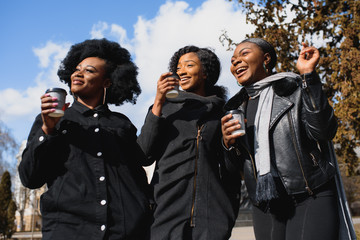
column 299, row 217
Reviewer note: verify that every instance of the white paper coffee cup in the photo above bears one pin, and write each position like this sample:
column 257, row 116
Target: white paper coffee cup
column 60, row 94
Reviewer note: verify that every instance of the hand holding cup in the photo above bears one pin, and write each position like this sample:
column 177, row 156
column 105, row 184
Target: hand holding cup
column 165, row 85
column 52, row 108
column 173, row 93
column 60, row 95
column 232, row 126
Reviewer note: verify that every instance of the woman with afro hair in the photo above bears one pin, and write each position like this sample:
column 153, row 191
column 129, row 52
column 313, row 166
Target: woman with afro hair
column 193, row 199
column 89, row 158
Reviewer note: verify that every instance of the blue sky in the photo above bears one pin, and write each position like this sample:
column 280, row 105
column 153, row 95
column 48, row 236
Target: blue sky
column 37, row 34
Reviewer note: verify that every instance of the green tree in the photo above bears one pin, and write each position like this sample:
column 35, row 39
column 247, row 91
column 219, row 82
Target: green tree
column 335, row 28
column 7, row 207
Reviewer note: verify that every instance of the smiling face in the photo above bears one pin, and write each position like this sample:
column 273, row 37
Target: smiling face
column 247, row 63
column 89, row 78
column 192, row 77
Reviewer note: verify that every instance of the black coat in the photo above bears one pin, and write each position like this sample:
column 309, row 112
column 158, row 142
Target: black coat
column 97, row 188
column 194, row 195
column 302, row 122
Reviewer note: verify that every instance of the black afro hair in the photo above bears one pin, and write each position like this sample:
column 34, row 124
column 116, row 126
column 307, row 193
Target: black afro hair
column 121, row 70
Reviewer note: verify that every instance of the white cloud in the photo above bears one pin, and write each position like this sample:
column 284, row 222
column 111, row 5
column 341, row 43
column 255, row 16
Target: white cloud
column 120, row 33
column 22, row 103
column 98, row 29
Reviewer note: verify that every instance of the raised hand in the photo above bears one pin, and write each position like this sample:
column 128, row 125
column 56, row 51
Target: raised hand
column 164, row 84
column 308, row 59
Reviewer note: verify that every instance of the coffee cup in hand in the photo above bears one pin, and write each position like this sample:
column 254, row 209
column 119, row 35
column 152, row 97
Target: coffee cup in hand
column 173, row 93
column 60, row 94
column 238, row 115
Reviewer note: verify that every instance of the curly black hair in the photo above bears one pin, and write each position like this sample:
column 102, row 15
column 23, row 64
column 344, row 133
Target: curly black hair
column 119, row 67
column 211, row 66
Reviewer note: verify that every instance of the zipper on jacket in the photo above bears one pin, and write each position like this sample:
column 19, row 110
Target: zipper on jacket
column 198, row 139
column 298, row 154
column 313, row 158
column 305, row 86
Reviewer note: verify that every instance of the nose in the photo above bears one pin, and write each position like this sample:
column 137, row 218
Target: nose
column 236, row 61
column 180, row 71
column 78, row 72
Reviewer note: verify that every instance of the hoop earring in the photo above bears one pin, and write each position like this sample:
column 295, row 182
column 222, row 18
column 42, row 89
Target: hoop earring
column 104, row 98
column 238, row 84
column 266, row 70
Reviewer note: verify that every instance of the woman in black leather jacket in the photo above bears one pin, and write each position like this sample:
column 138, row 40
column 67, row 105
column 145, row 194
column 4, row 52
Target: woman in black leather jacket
column 192, row 194
column 284, row 154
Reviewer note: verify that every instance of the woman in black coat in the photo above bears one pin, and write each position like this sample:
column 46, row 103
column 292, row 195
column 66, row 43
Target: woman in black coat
column 285, row 153
column 193, row 199
column 89, row 158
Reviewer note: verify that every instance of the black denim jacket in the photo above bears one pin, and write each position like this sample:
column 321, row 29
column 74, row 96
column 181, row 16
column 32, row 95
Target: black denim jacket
column 96, row 186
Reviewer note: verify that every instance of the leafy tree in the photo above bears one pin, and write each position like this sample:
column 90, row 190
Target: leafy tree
column 335, row 28
column 7, row 207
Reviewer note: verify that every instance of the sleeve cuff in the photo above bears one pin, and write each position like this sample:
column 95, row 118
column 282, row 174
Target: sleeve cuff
column 227, row 149
column 311, row 78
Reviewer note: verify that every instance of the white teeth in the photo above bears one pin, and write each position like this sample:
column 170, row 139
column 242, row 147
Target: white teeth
column 240, row 69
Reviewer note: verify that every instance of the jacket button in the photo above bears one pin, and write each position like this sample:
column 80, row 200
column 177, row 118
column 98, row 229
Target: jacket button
column 103, row 202
column 95, row 115
column 96, row 130
column 99, row 154
column 102, row 178
column 102, row 227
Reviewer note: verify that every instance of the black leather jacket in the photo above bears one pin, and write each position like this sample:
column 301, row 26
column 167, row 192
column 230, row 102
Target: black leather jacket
column 302, row 122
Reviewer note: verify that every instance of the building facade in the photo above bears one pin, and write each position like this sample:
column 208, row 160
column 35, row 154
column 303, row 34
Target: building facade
column 28, row 216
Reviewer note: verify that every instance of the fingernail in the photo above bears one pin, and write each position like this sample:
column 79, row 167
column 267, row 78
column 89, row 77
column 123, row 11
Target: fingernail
column 54, row 98
column 47, row 95
column 55, row 104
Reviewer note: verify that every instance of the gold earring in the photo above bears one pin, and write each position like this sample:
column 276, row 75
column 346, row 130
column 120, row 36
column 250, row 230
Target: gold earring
column 104, row 98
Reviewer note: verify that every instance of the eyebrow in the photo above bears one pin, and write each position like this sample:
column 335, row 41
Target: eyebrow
column 87, row 66
column 242, row 50
column 187, row 61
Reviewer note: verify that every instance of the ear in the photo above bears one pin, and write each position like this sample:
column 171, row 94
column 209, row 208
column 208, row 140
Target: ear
column 107, row 83
column 267, row 59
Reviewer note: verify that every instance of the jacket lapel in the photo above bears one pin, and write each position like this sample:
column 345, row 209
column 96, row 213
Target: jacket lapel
column 280, row 106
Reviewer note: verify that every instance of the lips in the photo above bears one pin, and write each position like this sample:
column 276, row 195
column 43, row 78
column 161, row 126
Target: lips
column 77, row 82
column 184, row 80
column 240, row 71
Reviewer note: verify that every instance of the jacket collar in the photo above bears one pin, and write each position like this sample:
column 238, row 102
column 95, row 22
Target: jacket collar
column 184, row 96
column 79, row 107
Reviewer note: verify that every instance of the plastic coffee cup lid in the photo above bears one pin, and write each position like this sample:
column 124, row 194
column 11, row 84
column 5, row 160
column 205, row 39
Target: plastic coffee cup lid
column 235, row 111
column 55, row 90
